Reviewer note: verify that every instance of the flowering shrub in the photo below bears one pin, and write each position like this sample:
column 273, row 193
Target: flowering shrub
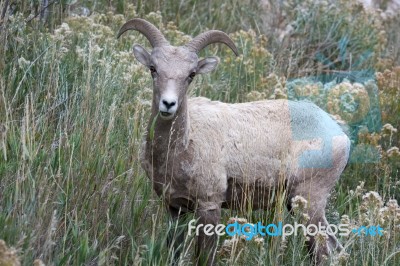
column 237, row 248
column 8, row 256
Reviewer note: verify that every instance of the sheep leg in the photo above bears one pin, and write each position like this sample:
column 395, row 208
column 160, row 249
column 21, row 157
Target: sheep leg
column 176, row 236
column 318, row 247
column 207, row 245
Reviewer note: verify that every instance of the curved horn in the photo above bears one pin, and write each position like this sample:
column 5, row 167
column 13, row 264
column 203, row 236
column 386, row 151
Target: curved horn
column 155, row 37
column 209, row 37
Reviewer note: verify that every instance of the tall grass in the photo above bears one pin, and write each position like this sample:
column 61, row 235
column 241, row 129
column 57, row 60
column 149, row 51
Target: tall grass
column 74, row 106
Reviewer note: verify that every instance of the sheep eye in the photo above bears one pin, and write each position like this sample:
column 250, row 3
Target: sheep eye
column 192, row 75
column 152, row 69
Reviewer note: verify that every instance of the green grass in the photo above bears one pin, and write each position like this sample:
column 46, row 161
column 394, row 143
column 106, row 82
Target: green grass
column 74, row 105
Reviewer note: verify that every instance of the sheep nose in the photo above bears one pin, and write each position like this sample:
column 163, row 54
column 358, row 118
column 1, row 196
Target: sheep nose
column 168, row 104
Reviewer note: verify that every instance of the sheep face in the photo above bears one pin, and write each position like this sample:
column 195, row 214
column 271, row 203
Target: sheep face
column 172, row 69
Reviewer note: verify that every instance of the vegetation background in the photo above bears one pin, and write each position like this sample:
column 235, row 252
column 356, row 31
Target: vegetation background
column 74, row 105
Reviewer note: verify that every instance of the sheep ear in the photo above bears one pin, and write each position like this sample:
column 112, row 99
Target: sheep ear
column 141, row 54
column 207, row 64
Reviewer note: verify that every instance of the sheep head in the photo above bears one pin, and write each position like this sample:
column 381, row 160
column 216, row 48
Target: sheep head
column 173, row 68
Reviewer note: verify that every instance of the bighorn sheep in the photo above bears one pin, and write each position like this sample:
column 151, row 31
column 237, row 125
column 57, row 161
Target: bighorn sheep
column 204, row 155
